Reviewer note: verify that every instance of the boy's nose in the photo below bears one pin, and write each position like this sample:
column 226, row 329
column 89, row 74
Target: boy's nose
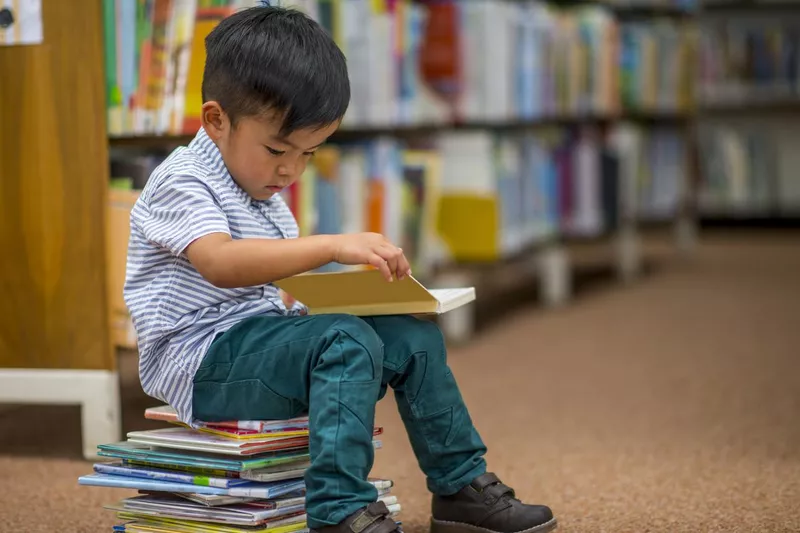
column 285, row 170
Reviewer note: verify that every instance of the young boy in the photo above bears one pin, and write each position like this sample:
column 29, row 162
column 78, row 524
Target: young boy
column 208, row 236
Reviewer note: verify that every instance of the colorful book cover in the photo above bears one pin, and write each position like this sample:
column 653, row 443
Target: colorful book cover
column 126, row 60
column 113, row 91
column 267, row 477
column 179, row 60
column 157, row 69
column 179, row 508
column 120, row 469
column 189, row 439
column 250, row 490
column 209, row 472
column 206, row 20
column 141, row 452
column 168, row 414
column 172, row 525
column 144, row 46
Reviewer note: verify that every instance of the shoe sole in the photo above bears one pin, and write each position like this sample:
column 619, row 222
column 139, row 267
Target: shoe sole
column 441, row 526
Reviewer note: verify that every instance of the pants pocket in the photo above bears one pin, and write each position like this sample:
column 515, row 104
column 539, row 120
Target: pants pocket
column 212, row 372
column 440, row 429
column 248, row 399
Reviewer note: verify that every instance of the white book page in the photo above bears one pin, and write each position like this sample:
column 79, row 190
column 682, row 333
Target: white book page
column 448, row 295
column 449, row 299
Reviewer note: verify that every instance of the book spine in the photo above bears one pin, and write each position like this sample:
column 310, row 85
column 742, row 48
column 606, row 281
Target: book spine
column 194, row 470
column 125, row 482
column 204, row 481
column 274, row 491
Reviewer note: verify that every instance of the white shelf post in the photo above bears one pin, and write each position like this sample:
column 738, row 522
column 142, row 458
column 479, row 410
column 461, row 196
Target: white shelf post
column 555, row 275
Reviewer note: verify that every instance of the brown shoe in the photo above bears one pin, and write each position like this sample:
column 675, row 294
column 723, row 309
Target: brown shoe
column 374, row 518
column 488, row 506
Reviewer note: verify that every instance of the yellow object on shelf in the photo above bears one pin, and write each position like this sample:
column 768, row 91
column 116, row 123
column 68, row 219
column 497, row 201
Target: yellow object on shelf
column 469, row 226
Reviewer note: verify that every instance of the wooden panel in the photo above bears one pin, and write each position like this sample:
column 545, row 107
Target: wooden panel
column 53, row 196
column 119, row 226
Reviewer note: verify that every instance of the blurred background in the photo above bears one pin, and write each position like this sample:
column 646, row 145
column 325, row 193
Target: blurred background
column 617, row 180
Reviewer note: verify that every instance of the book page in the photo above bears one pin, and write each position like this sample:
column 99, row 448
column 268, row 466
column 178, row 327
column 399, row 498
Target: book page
column 448, row 295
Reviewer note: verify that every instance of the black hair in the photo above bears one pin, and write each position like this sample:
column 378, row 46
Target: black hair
column 276, row 59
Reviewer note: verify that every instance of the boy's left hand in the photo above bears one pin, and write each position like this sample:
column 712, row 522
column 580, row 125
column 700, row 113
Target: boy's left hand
column 287, row 299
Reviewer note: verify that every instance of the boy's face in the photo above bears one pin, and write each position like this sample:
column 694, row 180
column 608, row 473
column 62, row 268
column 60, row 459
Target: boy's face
column 260, row 160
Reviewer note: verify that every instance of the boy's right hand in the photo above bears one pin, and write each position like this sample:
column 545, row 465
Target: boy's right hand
column 372, row 249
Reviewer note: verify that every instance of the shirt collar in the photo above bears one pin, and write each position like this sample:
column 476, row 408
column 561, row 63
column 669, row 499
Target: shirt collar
column 205, row 147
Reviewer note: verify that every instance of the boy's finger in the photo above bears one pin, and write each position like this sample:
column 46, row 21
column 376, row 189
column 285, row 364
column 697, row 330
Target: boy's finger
column 391, row 255
column 403, row 267
column 379, row 263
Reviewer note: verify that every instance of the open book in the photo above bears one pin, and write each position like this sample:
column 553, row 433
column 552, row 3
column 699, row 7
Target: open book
column 367, row 293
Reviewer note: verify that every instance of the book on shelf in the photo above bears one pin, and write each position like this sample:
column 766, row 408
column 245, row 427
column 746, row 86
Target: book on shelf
column 741, row 170
column 748, row 61
column 656, row 66
column 653, row 167
column 485, row 195
column 368, row 293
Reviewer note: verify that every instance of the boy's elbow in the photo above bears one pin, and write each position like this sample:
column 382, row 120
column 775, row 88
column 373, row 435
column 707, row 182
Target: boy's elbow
column 208, row 256
column 218, row 276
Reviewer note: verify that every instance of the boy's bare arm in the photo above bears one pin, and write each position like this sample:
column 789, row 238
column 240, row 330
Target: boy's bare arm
column 231, row 263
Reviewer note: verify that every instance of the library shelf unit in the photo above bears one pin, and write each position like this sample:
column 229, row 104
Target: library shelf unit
column 65, row 228
column 548, row 260
column 747, row 115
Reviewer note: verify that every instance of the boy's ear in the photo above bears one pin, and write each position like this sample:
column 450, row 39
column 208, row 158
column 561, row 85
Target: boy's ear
column 214, row 119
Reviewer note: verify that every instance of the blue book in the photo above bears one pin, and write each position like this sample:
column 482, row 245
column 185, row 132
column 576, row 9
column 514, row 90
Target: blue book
column 128, row 68
column 142, row 452
column 166, row 475
column 251, row 489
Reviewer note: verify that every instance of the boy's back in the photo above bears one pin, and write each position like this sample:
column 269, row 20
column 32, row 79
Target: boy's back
column 176, row 311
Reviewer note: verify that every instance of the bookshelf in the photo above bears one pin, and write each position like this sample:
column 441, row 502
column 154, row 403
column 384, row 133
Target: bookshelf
column 749, row 98
column 567, row 123
column 166, row 141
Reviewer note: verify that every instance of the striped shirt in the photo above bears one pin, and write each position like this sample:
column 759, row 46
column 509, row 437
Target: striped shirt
column 175, row 311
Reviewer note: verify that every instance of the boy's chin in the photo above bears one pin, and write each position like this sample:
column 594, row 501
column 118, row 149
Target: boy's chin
column 265, row 194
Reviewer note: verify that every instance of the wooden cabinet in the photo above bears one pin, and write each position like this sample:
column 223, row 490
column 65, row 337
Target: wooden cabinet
column 55, row 345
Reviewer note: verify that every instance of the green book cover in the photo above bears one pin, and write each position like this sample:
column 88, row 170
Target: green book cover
column 113, row 92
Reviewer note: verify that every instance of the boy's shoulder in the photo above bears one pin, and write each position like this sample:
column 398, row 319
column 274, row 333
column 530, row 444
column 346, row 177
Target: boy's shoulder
column 181, row 166
column 188, row 177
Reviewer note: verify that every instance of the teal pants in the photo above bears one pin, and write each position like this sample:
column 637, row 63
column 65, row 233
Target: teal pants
column 335, row 368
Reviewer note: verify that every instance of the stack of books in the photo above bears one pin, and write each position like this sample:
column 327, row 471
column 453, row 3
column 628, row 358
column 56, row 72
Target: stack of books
column 228, row 477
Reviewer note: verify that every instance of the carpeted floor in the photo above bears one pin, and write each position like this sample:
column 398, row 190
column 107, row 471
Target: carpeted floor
column 671, row 405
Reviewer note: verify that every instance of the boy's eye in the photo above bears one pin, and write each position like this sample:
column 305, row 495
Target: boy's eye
column 273, row 151
column 308, row 154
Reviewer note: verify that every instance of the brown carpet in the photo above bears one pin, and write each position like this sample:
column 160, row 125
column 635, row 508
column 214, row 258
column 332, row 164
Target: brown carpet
column 670, row 405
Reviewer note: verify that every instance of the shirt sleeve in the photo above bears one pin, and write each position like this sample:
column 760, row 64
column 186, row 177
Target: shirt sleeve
column 181, row 210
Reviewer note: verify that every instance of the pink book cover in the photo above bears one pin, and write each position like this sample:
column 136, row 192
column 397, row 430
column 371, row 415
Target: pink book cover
column 166, row 413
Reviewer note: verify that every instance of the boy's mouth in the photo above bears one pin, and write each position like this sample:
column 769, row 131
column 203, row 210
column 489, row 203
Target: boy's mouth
column 274, row 189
